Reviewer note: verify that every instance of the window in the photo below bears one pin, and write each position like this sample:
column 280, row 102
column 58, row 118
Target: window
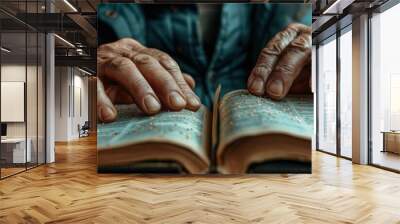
column 327, row 96
column 385, row 89
column 346, row 93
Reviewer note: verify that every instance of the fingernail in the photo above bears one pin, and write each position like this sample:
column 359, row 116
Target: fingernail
column 275, row 88
column 257, row 86
column 176, row 100
column 193, row 101
column 107, row 113
column 151, row 104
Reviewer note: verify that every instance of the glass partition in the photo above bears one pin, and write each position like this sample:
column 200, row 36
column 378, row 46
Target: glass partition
column 32, row 96
column 22, row 77
column 346, row 93
column 41, row 97
column 31, row 86
column 14, row 151
column 385, row 89
column 327, row 96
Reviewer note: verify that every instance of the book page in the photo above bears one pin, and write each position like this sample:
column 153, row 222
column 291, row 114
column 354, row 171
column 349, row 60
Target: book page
column 184, row 128
column 243, row 114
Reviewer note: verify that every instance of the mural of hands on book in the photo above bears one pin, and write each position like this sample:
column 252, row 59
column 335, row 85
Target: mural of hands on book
column 152, row 110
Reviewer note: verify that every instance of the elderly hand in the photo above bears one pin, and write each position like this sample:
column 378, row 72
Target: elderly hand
column 131, row 73
column 283, row 66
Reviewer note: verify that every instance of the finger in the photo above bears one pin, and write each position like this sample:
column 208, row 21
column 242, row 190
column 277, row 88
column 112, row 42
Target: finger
column 130, row 44
column 192, row 101
column 300, row 28
column 123, row 71
column 268, row 58
column 161, row 81
column 190, row 81
column 296, row 56
column 105, row 109
column 118, row 95
column 127, row 44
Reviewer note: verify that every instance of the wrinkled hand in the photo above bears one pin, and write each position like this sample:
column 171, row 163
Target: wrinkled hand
column 283, row 66
column 131, row 73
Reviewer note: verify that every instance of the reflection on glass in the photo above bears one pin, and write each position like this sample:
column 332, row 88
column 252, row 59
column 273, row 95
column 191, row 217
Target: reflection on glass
column 14, row 153
column 31, row 97
column 327, row 97
column 385, row 104
column 41, row 99
column 346, row 94
column 23, row 90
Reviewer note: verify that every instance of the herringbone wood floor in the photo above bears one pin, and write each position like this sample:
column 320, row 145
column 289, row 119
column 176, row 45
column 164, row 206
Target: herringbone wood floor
column 70, row 191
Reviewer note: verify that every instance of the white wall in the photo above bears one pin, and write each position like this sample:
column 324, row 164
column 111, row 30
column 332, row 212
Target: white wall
column 70, row 83
column 80, row 84
column 61, row 104
column 16, row 73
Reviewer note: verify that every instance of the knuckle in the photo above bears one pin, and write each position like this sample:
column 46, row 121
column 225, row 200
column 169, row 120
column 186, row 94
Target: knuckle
column 103, row 55
column 298, row 27
column 167, row 61
column 116, row 45
column 307, row 30
column 302, row 43
column 127, row 40
column 144, row 59
column 129, row 54
column 187, row 91
column 153, row 51
column 278, row 44
column 129, row 43
column 267, row 51
column 273, row 48
column 261, row 71
column 285, row 69
column 120, row 63
column 288, row 34
column 164, row 57
column 160, row 55
column 106, row 48
column 182, row 84
column 171, row 67
column 169, row 64
column 294, row 26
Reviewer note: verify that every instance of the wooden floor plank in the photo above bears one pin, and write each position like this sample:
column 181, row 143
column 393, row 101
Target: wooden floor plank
column 71, row 191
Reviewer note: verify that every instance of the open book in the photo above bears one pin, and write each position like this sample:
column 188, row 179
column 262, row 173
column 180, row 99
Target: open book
column 243, row 130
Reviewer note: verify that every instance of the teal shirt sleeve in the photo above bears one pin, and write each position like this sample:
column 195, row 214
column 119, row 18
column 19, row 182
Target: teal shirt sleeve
column 116, row 21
